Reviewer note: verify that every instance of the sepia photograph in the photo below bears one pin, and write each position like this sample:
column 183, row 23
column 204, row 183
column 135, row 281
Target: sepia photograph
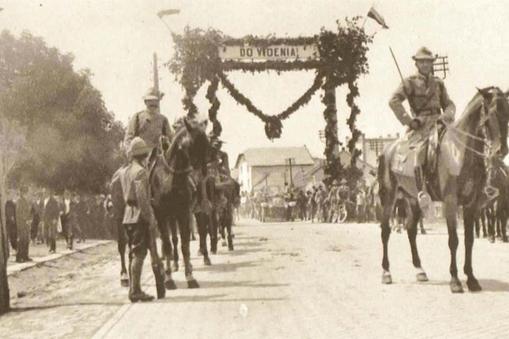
column 254, row 169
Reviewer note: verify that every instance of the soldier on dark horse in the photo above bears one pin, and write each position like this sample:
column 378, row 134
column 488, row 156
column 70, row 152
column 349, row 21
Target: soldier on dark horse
column 150, row 125
column 441, row 160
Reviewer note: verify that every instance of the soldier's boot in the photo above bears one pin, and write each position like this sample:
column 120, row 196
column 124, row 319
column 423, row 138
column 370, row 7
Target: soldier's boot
column 423, row 197
column 230, row 243
column 135, row 292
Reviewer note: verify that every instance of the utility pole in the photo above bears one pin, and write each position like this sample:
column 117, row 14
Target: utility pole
column 156, row 75
column 290, row 160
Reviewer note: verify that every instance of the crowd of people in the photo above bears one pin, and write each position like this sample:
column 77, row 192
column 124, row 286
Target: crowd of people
column 333, row 204
column 40, row 217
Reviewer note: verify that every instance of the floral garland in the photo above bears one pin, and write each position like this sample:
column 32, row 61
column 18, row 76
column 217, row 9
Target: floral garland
column 342, row 61
column 273, row 125
column 214, row 107
column 333, row 166
column 254, row 41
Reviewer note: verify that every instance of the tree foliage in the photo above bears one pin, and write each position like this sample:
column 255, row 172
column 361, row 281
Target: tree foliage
column 72, row 141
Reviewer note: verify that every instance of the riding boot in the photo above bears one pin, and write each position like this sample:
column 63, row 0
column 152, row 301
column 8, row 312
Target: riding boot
column 230, row 243
column 423, row 197
column 135, row 292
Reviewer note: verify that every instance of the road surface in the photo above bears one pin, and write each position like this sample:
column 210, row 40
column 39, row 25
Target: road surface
column 284, row 280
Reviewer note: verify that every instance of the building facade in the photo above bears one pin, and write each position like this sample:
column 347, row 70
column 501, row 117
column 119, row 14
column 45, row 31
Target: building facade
column 270, row 168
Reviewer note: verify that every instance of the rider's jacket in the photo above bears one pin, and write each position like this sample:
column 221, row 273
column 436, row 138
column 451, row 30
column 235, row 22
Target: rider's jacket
column 135, row 188
column 148, row 126
column 427, row 96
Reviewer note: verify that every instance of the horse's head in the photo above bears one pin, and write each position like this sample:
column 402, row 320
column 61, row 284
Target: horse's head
column 494, row 120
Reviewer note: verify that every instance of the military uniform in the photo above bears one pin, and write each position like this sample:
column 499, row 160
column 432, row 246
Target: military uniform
column 429, row 102
column 428, row 97
column 149, row 126
column 138, row 216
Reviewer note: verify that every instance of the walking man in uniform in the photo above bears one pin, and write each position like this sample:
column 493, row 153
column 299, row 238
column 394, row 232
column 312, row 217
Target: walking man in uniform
column 138, row 215
column 429, row 103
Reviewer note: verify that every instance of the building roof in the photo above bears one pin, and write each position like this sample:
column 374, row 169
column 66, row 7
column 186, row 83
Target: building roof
column 276, row 156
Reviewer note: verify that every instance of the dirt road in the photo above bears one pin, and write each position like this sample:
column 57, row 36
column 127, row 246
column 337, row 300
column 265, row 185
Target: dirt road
column 282, row 281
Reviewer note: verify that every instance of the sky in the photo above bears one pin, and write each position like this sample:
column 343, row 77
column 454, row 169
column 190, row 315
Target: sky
column 116, row 39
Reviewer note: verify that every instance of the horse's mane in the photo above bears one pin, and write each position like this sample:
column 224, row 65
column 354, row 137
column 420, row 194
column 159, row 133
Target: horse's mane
column 473, row 106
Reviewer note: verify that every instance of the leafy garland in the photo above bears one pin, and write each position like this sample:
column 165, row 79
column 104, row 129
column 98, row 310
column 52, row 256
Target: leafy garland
column 273, row 125
column 342, row 61
column 214, row 106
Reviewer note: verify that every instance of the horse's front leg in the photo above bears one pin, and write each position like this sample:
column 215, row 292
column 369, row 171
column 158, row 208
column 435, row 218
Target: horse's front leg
column 386, row 233
column 183, row 217
column 162, row 223
column 413, row 221
column 468, row 221
column 450, row 209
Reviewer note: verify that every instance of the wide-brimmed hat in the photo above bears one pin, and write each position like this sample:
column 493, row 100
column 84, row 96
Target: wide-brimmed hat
column 138, row 147
column 424, row 53
column 343, row 181
column 153, row 94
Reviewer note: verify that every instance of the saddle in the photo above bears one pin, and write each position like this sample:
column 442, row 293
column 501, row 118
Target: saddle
column 404, row 152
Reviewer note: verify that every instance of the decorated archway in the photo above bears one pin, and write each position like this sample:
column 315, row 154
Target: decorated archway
column 338, row 58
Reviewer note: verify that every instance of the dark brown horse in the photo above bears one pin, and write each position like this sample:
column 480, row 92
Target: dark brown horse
column 173, row 180
column 461, row 175
column 498, row 179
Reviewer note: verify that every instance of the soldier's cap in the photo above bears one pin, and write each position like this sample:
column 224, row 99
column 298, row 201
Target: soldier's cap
column 138, row 147
column 153, row 94
column 424, row 53
column 343, row 181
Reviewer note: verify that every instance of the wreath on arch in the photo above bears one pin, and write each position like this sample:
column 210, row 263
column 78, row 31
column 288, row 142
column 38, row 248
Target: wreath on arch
column 341, row 61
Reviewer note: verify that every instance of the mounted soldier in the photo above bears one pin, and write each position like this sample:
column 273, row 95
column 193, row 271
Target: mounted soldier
column 219, row 157
column 429, row 103
column 149, row 124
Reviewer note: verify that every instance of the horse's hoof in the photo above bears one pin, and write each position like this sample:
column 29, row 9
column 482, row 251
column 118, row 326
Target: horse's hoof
column 473, row 285
column 206, row 261
column 192, row 284
column 199, row 253
column 124, row 282
column 230, row 247
column 456, row 286
column 170, row 284
column 504, row 239
column 223, row 243
column 386, row 278
column 422, row 277
column 491, row 240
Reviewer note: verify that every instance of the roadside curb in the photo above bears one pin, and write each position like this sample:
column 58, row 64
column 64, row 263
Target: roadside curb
column 19, row 267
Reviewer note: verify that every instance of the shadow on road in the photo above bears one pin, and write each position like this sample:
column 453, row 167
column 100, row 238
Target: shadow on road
column 71, row 304
column 488, row 285
column 216, row 298
column 223, row 284
column 227, row 267
column 491, row 285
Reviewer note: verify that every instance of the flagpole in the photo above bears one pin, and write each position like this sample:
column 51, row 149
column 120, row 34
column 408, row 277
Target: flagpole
column 165, row 24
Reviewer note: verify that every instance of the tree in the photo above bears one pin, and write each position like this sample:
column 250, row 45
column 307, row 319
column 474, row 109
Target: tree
column 12, row 140
column 55, row 130
column 72, row 140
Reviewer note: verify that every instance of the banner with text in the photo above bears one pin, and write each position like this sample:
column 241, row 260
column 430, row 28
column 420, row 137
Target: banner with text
column 269, row 53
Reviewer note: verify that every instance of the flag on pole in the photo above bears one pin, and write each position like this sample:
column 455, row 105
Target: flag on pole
column 166, row 12
column 373, row 14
